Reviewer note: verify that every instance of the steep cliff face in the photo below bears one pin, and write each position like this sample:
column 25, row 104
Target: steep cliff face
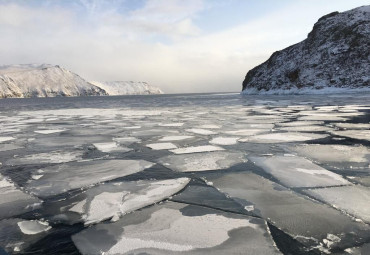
column 116, row 88
column 43, row 81
column 336, row 54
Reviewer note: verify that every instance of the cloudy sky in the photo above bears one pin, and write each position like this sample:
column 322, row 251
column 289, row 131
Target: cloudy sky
column 177, row 45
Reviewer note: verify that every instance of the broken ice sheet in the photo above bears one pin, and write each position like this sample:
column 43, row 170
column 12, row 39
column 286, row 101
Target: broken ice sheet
column 340, row 156
column 245, row 132
column 203, row 161
column 112, row 200
column 197, row 149
column 299, row 123
column 13, row 201
column 18, row 234
column 298, row 172
column 126, row 140
column 352, row 199
column 161, row 146
column 172, row 228
column 47, row 158
column 111, row 147
column 304, row 219
column 283, row 137
column 62, row 178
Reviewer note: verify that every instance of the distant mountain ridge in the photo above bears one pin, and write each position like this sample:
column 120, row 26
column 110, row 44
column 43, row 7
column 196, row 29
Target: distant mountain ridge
column 335, row 55
column 116, row 88
column 44, row 80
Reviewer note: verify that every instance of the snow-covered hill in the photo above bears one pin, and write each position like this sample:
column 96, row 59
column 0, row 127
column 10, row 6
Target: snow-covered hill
column 116, row 88
column 43, row 81
column 334, row 57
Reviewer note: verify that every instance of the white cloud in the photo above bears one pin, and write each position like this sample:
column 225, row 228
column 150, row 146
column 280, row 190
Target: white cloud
column 111, row 45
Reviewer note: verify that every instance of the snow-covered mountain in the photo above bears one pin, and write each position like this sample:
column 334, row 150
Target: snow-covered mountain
column 335, row 56
column 116, row 88
column 43, row 81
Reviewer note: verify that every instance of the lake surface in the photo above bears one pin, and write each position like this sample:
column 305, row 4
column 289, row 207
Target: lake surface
column 186, row 173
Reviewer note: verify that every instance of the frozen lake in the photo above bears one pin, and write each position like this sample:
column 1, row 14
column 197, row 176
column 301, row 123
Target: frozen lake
column 185, row 174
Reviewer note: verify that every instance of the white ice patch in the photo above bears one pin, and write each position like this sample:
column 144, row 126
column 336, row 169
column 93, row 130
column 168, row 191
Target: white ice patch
column 203, row 161
column 161, row 146
column 224, row 140
column 6, row 138
column 200, row 131
column 33, row 227
column 126, row 140
column 298, row 172
column 352, row 199
column 210, row 126
column 197, row 149
column 110, row 147
column 49, row 131
column 174, row 138
column 171, row 125
column 283, row 138
column 47, row 157
column 299, row 123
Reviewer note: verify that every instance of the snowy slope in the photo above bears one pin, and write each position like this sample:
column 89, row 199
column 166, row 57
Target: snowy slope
column 43, row 81
column 116, row 88
column 334, row 57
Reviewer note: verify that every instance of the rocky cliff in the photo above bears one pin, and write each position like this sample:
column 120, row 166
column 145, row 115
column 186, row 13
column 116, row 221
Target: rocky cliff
column 43, row 81
column 336, row 54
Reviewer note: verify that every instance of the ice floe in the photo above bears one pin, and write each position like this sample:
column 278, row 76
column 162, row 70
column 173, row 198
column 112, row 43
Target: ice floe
column 353, row 125
column 162, row 146
column 126, row 140
column 342, row 155
column 200, row 131
column 62, row 178
column 167, row 229
column 32, row 227
column 352, row 199
column 245, row 132
column 47, row 158
column 355, row 134
column 312, row 128
column 298, row 172
column 224, row 140
column 49, row 131
column 6, row 139
column 18, row 234
column 111, row 201
column 203, row 161
column 287, row 137
column 111, row 147
column 197, row 149
column 299, row 123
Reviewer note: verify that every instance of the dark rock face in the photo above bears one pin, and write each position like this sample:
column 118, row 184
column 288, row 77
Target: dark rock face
column 336, row 54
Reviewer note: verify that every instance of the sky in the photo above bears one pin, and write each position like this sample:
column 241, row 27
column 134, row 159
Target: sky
column 180, row 46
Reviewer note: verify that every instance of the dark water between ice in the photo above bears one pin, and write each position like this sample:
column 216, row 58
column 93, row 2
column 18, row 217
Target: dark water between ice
column 247, row 180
